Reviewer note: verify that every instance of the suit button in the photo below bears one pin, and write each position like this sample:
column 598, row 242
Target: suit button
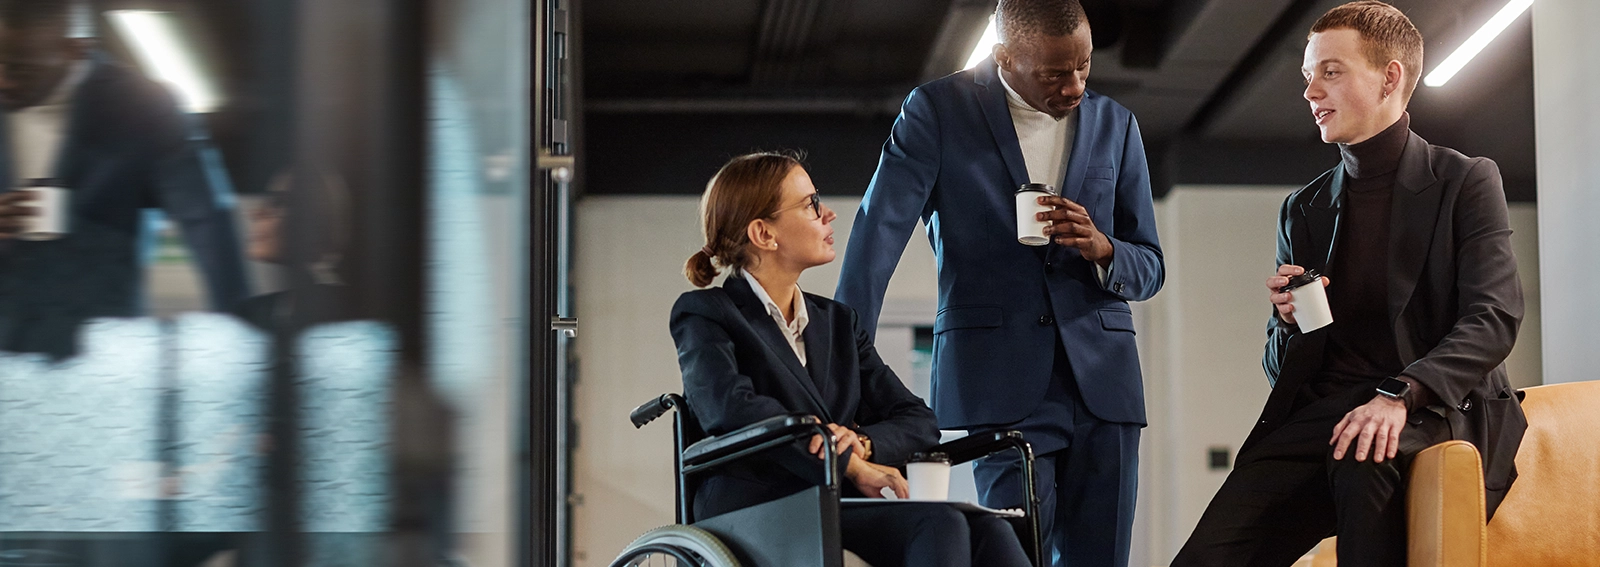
column 1466, row 405
column 1046, row 320
column 1117, row 287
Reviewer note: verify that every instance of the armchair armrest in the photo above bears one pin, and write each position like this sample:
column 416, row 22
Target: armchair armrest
column 1446, row 507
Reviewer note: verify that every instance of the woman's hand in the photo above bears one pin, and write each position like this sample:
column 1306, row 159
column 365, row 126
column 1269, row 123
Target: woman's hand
column 872, row 478
column 843, row 440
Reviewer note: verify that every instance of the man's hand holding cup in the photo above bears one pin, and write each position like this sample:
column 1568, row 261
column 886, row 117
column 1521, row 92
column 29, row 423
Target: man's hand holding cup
column 1070, row 226
column 16, row 212
column 1313, row 301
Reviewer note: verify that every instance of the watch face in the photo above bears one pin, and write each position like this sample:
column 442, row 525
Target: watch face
column 1393, row 387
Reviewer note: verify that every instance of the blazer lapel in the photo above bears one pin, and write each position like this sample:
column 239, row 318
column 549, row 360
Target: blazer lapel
column 1322, row 223
column 1414, row 212
column 995, row 111
column 819, row 337
column 80, row 126
column 756, row 314
column 1083, row 142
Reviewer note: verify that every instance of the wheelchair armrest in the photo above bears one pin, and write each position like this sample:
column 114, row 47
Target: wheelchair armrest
column 978, row 445
column 760, row 435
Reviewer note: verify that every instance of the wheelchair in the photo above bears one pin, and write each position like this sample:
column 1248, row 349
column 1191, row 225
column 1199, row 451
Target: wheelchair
column 800, row 530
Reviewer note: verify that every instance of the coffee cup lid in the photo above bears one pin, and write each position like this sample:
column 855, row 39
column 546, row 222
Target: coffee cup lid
column 1302, row 279
column 934, row 457
column 1026, row 187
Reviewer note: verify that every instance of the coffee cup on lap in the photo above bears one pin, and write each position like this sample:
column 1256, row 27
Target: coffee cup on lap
column 928, row 475
column 1310, row 302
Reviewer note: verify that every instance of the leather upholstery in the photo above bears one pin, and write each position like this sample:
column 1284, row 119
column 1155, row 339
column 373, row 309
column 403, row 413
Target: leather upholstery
column 1551, row 516
column 1446, row 504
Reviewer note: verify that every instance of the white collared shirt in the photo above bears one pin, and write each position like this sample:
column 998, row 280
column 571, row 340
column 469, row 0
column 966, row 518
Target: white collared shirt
column 792, row 330
column 37, row 132
column 1046, row 146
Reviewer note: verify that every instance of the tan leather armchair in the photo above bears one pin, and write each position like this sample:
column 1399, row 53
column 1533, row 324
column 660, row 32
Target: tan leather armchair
column 1551, row 516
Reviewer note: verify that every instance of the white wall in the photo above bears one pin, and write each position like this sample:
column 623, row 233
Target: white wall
column 1200, row 345
column 1566, row 77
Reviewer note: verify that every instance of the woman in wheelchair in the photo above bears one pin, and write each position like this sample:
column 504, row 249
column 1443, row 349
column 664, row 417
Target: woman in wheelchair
column 757, row 347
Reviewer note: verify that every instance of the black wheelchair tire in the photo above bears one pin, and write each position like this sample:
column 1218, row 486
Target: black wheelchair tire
column 710, row 550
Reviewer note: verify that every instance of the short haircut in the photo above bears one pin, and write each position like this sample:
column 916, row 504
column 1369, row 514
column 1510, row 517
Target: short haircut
column 1386, row 33
column 1024, row 20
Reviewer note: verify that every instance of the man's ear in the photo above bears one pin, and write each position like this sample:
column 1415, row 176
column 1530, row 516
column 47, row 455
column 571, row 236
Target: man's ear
column 1394, row 78
column 1002, row 56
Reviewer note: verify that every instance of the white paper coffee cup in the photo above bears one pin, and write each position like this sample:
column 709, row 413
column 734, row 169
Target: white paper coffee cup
column 53, row 208
column 1310, row 301
column 1030, row 230
column 929, row 477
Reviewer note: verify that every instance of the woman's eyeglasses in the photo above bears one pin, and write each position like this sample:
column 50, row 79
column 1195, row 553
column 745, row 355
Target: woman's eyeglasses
column 815, row 202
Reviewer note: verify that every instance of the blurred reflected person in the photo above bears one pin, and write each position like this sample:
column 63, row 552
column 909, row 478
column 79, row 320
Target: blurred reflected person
column 313, row 276
column 757, row 347
column 1415, row 245
column 119, row 144
column 1038, row 339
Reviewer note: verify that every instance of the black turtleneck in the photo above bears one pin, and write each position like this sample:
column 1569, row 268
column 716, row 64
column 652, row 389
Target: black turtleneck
column 1361, row 343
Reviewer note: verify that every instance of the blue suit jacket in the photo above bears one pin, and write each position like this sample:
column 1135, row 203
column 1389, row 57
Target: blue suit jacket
column 953, row 161
column 127, row 148
column 738, row 369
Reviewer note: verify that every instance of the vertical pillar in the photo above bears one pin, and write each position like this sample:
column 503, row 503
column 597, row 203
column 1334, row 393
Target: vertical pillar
column 1566, row 86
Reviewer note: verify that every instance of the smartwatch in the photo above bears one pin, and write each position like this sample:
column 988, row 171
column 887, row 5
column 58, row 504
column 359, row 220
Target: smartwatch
column 1394, row 389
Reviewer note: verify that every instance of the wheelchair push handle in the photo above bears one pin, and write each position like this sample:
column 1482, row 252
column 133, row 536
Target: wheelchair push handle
column 649, row 411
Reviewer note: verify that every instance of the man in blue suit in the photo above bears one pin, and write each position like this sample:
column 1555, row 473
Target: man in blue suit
column 120, row 144
column 1038, row 339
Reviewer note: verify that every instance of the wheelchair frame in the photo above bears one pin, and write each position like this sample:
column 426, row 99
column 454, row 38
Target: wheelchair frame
column 695, row 452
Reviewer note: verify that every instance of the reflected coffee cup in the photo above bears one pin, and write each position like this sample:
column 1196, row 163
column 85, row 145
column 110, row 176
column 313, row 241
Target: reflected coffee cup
column 1030, row 230
column 53, row 205
column 928, row 475
column 1310, row 302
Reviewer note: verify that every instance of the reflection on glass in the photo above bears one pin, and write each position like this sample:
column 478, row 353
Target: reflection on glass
column 80, row 439
column 115, row 143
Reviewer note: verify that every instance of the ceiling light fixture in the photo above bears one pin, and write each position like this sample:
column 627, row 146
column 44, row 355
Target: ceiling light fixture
column 153, row 38
column 1476, row 43
column 985, row 45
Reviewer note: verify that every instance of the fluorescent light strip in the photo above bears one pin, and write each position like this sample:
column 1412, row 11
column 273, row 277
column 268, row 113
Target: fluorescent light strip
column 154, row 40
column 985, row 45
column 1476, row 43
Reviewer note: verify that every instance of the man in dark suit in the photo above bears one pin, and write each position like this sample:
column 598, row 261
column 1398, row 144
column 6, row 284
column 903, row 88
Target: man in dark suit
column 1415, row 245
column 119, row 143
column 1038, row 339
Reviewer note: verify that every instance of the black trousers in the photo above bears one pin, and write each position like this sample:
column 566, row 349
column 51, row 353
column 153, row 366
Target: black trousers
column 1288, row 493
column 931, row 535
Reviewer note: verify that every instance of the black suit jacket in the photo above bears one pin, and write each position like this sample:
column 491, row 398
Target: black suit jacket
column 1454, row 297
column 738, row 369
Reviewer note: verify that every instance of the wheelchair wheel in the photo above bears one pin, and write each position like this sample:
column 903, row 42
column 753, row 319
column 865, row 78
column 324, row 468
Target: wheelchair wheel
column 676, row 545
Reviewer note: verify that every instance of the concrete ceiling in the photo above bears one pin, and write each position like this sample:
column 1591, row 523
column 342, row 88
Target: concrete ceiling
column 672, row 89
